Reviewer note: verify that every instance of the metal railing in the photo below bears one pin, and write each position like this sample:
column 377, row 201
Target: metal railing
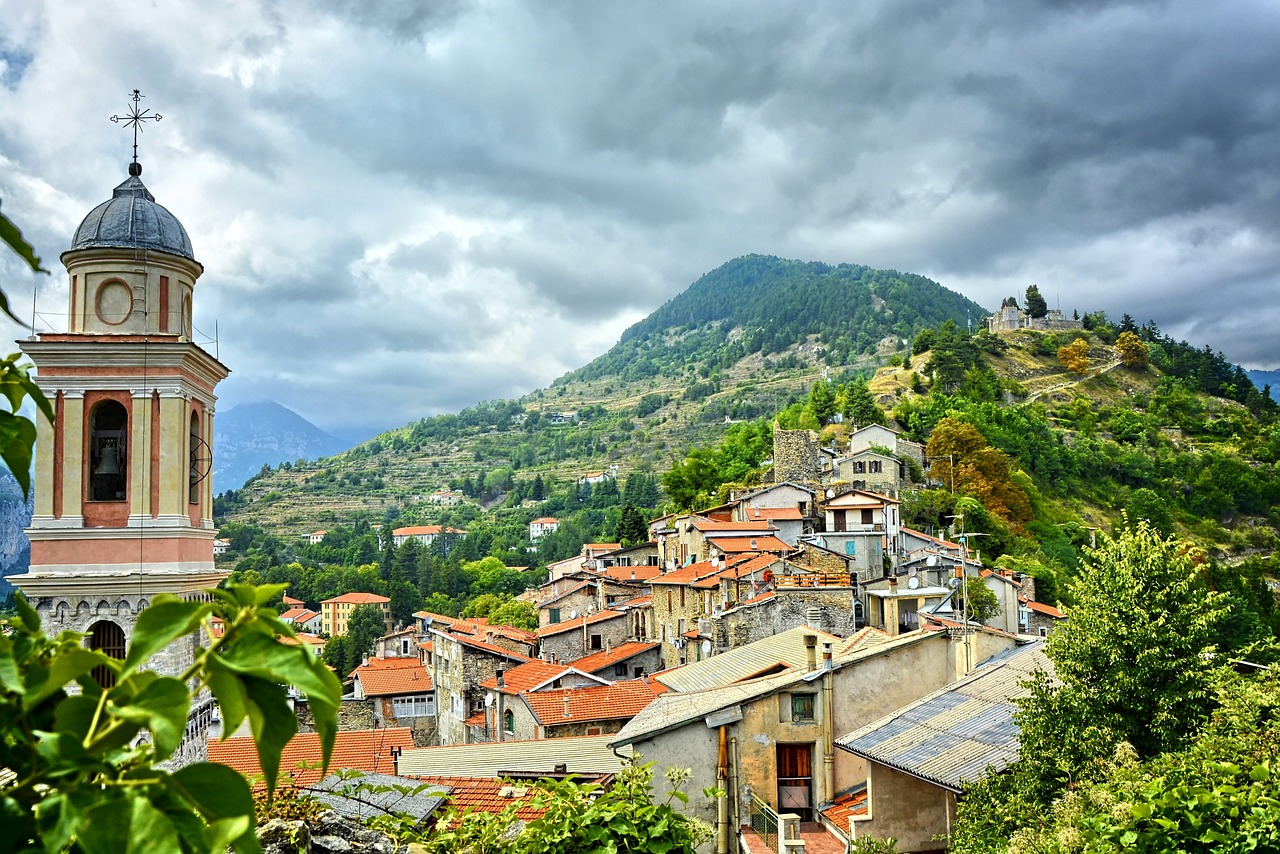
column 764, row 821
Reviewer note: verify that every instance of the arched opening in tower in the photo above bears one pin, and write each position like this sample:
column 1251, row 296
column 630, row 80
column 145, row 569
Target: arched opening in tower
column 108, row 430
column 107, row 637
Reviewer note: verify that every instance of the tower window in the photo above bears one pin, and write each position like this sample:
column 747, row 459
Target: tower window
column 106, row 637
column 108, row 458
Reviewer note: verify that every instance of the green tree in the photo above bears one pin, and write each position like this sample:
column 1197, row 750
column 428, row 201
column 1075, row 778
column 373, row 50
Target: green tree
column 1135, row 661
column 364, row 627
column 980, row 601
column 860, row 407
column 1036, row 306
column 632, row 529
column 822, row 401
column 513, row 612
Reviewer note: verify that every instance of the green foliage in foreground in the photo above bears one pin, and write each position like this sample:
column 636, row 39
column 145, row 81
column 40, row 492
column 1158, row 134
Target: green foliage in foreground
column 585, row 818
column 85, row 759
column 1148, row 740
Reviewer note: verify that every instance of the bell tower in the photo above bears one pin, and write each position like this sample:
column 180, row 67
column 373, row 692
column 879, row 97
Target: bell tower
column 123, row 497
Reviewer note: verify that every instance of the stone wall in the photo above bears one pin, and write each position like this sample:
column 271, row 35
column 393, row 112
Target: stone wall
column 827, row 608
column 352, row 714
column 796, row 456
column 570, row 645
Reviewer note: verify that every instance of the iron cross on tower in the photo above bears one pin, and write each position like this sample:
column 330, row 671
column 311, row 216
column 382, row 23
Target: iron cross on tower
column 134, row 119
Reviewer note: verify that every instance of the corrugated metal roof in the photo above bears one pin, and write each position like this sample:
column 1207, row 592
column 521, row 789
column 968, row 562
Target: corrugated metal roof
column 956, row 734
column 588, row 754
column 744, row 662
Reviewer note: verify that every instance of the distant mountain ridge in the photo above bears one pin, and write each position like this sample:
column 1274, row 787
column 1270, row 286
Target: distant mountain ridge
column 15, row 515
column 1264, row 378
column 252, row 435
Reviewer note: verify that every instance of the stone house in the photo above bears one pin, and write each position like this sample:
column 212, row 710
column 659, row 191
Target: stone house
column 797, row 456
column 400, row 644
column 683, row 597
column 776, row 724
column 872, row 470
column 576, row 597
column 692, row 538
column 920, row 757
column 460, row 662
column 402, row 693
column 590, row 710
column 570, row 640
column 862, row 525
column 1037, row 618
column 502, row 690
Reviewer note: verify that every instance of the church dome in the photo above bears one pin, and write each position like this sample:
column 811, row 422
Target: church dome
column 131, row 219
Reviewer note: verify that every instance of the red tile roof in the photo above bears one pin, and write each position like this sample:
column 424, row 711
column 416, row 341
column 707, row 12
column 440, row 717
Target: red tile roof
column 687, row 574
column 845, row 807
column 476, row 643
column 780, row 513
column 430, row 530
column 299, row 615
column 357, row 599
column 751, row 544
column 628, row 573
column 316, row 642
column 289, row 600
column 760, row 597
column 605, row 658
column 579, row 622
column 1041, row 608
column 712, row 525
column 362, row 749
column 545, row 520
column 606, row 702
column 527, row 676
column 382, row 677
column 485, row 794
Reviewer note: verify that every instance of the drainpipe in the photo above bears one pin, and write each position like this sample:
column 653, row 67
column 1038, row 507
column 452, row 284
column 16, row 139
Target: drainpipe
column 722, row 800
column 735, row 780
column 828, row 725
column 499, row 722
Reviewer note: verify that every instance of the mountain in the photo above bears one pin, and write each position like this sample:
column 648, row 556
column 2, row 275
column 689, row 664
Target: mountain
column 15, row 515
column 743, row 342
column 253, row 435
column 1265, row 378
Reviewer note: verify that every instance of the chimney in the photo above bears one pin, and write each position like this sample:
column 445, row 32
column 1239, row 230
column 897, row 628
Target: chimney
column 501, row 683
column 607, row 646
column 811, row 651
column 755, row 544
column 826, row 656
column 566, row 702
column 364, row 661
column 633, row 575
column 813, row 617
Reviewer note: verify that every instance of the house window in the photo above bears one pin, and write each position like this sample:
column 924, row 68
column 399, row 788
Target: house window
column 594, row 730
column 838, row 520
column 802, row 707
column 404, row 646
column 875, row 467
column 414, row 706
column 620, row 670
column 455, row 706
column 1044, row 632
column 509, row 721
column 597, row 642
column 108, row 638
column 554, row 614
column 859, row 467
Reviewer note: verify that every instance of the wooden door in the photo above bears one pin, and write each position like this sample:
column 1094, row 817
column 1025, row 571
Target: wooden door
column 795, row 780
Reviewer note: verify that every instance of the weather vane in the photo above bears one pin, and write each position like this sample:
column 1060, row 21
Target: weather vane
column 134, row 119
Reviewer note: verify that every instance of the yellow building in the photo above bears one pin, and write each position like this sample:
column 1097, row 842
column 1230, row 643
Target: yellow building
column 335, row 612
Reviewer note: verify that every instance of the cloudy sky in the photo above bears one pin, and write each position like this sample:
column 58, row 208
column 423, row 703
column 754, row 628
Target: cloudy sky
column 404, row 207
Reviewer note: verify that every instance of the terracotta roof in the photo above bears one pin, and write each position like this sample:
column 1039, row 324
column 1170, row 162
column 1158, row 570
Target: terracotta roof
column 987, row 573
column 606, row 702
column 751, row 544
column 478, row 719
column 637, row 602
column 545, row 520
column 770, row 513
column 362, row 749
column 476, row 643
column 289, row 600
column 317, row 643
column 579, row 622
column 599, row 660
column 759, row 597
column 486, row 794
column 299, row 615
column 687, row 574
column 357, row 599
column 432, row 530
column 846, row 806
column 1041, row 608
column 527, row 676
column 382, row 677
column 582, row 754
column 628, row 573
column 511, row 633
column 701, row 523
column 602, row 547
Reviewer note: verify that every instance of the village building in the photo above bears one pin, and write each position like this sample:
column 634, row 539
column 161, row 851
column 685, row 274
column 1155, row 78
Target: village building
column 861, row 524
column 303, row 619
column 919, row 758
column 425, row 534
column 461, row 660
column 374, row 751
column 502, row 707
column 401, row 690
column 1010, row 318
column 542, row 526
column 336, row 612
column 315, row 538
column 631, row 659
column 576, row 637
column 762, row 726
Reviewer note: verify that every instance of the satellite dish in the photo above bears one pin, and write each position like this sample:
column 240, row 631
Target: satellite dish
column 913, row 582
column 831, row 493
column 488, row 700
column 953, row 583
column 573, row 615
column 932, row 561
column 706, row 648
